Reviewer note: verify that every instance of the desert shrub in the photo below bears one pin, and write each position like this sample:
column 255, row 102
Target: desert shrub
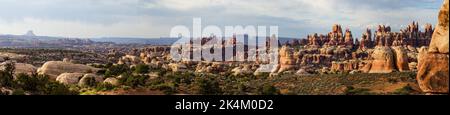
column 108, row 65
column 166, row 88
column 235, row 89
column 101, row 72
column 133, row 81
column 206, row 86
column 264, row 75
column 104, row 87
column 6, row 76
column 18, row 92
column 356, row 91
column 268, row 89
column 141, row 69
column 180, row 77
column 32, row 83
column 6, row 80
column 90, row 82
column 116, row 70
column 55, row 88
column 406, row 90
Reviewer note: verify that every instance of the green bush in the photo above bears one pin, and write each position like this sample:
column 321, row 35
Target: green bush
column 6, row 76
column 167, row 88
column 406, row 90
column 133, row 81
column 206, row 86
column 6, row 80
column 268, row 89
column 89, row 82
column 141, row 69
column 18, row 92
column 55, row 88
column 116, row 70
column 104, row 87
column 356, row 91
column 32, row 83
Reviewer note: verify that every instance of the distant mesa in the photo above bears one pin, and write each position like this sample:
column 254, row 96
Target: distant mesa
column 30, row 33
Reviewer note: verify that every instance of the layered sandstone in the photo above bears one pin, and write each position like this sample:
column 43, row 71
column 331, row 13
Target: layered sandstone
column 383, row 60
column 54, row 68
column 433, row 71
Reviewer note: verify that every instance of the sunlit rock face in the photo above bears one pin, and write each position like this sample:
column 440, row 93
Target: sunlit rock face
column 433, row 70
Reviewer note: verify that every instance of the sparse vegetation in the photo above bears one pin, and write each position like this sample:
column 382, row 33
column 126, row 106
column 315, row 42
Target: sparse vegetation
column 133, row 80
column 406, row 90
column 206, row 86
column 33, row 84
column 141, row 69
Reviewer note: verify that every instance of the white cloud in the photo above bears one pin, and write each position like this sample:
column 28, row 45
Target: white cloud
column 136, row 27
column 153, row 18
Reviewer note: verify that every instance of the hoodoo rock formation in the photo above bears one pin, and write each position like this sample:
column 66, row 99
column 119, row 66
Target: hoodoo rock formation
column 287, row 61
column 383, row 60
column 433, row 71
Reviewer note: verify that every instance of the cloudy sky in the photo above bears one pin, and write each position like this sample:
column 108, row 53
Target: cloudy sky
column 155, row 18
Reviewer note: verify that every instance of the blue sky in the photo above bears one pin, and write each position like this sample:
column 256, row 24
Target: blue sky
column 155, row 18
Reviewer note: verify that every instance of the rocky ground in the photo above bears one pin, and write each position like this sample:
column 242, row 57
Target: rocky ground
column 399, row 83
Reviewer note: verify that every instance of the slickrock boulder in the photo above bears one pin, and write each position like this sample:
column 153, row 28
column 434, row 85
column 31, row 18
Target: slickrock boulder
column 25, row 68
column 112, row 81
column 129, row 60
column 12, row 56
column 88, row 78
column 287, row 61
column 180, row 67
column 6, row 91
column 401, row 58
column 242, row 70
column 383, row 60
column 302, row 72
column 21, row 68
column 1, row 59
column 433, row 71
column 69, row 78
column 54, row 68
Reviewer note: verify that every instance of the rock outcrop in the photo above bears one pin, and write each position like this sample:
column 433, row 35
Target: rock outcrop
column 433, row 71
column 21, row 68
column 383, row 60
column 346, row 66
column 54, row 68
column 439, row 42
column 25, row 68
column 86, row 80
column 112, row 81
column 178, row 67
column 287, row 61
column 401, row 58
column 242, row 70
column 69, row 78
